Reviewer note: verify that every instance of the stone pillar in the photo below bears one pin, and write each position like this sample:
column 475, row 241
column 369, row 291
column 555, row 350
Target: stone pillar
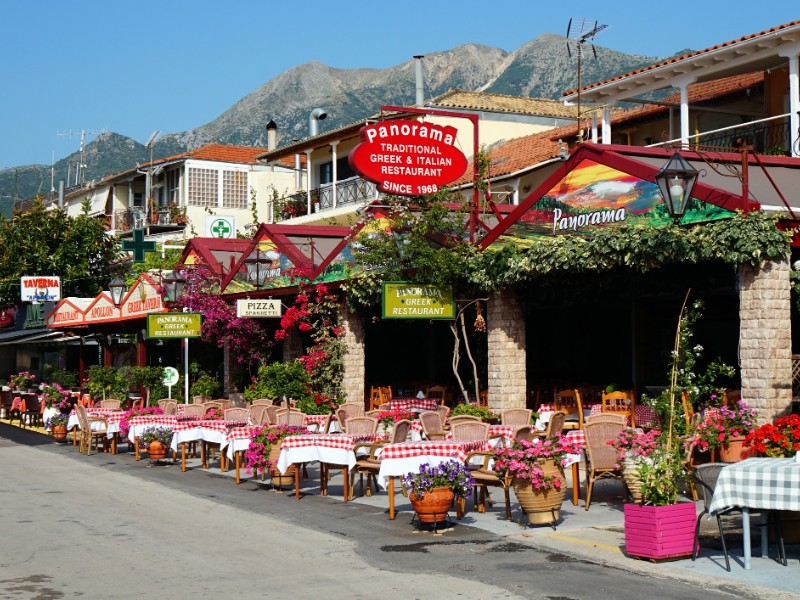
column 505, row 321
column 765, row 338
column 292, row 345
column 353, row 359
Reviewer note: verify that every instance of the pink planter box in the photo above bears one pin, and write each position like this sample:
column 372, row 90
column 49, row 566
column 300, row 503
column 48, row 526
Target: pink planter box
column 660, row 531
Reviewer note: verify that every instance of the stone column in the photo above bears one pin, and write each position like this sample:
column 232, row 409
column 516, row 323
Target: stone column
column 505, row 321
column 765, row 338
column 353, row 359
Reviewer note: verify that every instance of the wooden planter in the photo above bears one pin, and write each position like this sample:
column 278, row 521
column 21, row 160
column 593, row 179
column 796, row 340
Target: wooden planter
column 279, row 479
column 659, row 532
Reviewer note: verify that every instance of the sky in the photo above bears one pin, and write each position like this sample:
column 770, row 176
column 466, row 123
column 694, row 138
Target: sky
column 173, row 65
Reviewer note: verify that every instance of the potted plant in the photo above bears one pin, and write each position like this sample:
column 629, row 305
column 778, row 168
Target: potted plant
column 57, row 425
column 724, row 430
column 262, row 454
column 473, row 410
column 278, row 381
column 537, row 472
column 319, row 404
column 156, row 441
column 633, row 447
column 433, row 488
column 387, row 418
column 22, row 381
column 54, row 396
column 125, row 422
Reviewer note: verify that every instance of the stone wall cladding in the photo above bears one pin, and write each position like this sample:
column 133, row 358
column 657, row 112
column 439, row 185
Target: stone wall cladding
column 354, row 371
column 505, row 320
column 765, row 338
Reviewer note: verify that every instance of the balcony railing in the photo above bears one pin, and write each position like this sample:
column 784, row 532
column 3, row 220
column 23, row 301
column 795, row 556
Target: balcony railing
column 138, row 217
column 766, row 136
column 351, row 191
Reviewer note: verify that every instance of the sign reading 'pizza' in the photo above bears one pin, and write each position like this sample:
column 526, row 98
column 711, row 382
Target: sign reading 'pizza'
column 408, row 158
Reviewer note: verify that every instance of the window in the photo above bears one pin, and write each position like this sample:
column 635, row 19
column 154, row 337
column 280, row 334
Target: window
column 173, row 187
column 343, row 171
column 234, row 189
column 203, row 187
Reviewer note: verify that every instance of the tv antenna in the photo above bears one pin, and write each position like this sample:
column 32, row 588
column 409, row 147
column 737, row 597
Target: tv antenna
column 583, row 31
column 81, row 168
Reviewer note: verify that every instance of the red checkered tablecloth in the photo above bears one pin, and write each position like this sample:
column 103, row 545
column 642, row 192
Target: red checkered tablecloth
column 505, row 431
column 577, row 436
column 418, row 404
column 645, row 415
column 323, row 440
column 242, row 433
column 457, row 450
column 154, row 420
column 318, row 420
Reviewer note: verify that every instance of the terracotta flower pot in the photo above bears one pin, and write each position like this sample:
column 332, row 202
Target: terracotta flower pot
column 59, row 432
column 542, row 507
column 434, row 505
column 157, row 451
column 733, row 451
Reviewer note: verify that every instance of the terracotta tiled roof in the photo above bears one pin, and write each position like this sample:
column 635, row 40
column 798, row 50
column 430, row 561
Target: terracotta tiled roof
column 678, row 59
column 456, row 98
column 218, row 153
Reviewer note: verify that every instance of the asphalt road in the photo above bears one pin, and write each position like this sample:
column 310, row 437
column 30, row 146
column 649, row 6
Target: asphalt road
column 106, row 526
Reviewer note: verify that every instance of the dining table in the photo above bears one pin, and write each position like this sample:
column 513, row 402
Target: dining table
column 236, row 443
column 757, row 483
column 111, row 418
column 644, row 415
column 413, row 404
column 326, row 448
column 397, row 460
column 205, row 431
column 139, row 423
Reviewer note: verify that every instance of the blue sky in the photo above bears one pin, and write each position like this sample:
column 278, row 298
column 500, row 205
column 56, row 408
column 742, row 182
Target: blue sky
column 171, row 65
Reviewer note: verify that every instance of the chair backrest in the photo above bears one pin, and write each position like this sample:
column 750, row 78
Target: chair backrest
column 516, row 416
column 386, row 393
column 436, row 392
column 32, row 403
column 731, row 396
column 262, row 402
column 83, row 418
column 353, row 409
column 524, row 432
column 236, row 414
column 569, row 401
column 373, row 413
column 556, row 423
column 341, row 417
column 257, row 412
column 400, row 431
column 194, row 410
column 200, row 399
column 289, row 416
column 706, row 475
column 170, row 407
column 224, row 402
column 483, row 398
column 431, row 422
column 270, row 415
column 469, row 430
column 620, row 402
column 444, row 412
column 600, row 429
column 212, row 404
column 162, row 403
column 464, row 419
column 384, row 406
column 361, row 425
column 109, row 403
column 326, row 424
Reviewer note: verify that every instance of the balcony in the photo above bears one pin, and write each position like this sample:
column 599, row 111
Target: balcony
column 349, row 192
column 138, row 217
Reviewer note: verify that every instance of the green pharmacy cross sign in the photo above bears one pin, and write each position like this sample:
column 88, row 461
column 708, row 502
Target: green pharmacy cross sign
column 221, row 229
column 138, row 246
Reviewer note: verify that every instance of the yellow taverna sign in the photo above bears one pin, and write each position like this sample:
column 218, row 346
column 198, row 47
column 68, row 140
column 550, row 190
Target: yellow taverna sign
column 403, row 300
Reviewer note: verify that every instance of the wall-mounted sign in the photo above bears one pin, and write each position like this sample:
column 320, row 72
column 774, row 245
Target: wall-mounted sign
column 173, row 325
column 408, row 158
column 417, row 301
column 220, row 226
column 40, row 289
column 258, row 309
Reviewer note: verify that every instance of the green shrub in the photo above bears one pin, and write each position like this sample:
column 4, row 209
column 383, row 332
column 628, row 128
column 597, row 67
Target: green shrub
column 472, row 410
column 279, row 379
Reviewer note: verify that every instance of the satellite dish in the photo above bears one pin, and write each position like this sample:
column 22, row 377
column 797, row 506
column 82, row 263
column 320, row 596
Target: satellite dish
column 152, row 139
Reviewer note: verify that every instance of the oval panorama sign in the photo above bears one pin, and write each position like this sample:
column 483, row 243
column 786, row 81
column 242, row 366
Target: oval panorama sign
column 408, row 158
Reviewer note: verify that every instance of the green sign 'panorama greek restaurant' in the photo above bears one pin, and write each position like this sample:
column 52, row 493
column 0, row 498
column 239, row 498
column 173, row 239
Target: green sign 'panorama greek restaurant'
column 403, row 300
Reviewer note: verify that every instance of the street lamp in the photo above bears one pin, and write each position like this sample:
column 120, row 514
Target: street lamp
column 676, row 181
column 173, row 286
column 117, row 288
column 256, row 265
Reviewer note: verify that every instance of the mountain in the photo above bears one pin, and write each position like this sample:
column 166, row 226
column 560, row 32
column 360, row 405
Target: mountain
column 541, row 68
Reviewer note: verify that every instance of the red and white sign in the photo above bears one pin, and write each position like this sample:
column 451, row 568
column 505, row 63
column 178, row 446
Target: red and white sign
column 408, row 158
column 68, row 312
column 101, row 310
column 143, row 298
column 40, row 289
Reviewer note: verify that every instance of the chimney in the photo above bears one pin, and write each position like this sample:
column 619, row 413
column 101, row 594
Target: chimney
column 314, row 118
column 272, row 135
column 418, row 69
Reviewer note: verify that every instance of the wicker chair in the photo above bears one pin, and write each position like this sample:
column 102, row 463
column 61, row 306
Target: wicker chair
column 353, row 409
column 436, row 392
column 370, row 465
column 109, row 403
column 485, row 477
column 601, row 458
column 162, row 403
column 194, row 410
column 212, row 404
column 257, row 413
column 523, row 432
column 271, row 415
column 432, row 425
column 88, row 436
column 170, row 407
column 705, row 479
column 361, row 425
column 516, row 416
column 289, row 416
column 262, row 402
column 554, row 426
column 463, row 419
column 469, row 431
column 236, row 414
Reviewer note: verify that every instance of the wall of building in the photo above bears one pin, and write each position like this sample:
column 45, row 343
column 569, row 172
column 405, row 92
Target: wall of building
column 505, row 321
column 766, row 338
column 354, row 358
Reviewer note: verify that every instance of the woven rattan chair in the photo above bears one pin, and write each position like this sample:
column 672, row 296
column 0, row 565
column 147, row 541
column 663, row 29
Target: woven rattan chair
column 370, row 465
column 436, row 392
column 109, row 403
column 601, row 458
column 516, row 416
column 554, row 426
column 353, row 409
column 289, row 416
column 170, row 407
column 484, row 478
column 432, row 425
column 463, row 419
column 469, row 431
column 162, row 403
column 213, row 404
column 200, row 399
column 194, row 410
column 262, row 402
column 705, row 478
column 257, row 413
column 361, row 425
column 523, row 432
column 569, row 401
column 88, row 436
column 236, row 414
column 271, row 415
